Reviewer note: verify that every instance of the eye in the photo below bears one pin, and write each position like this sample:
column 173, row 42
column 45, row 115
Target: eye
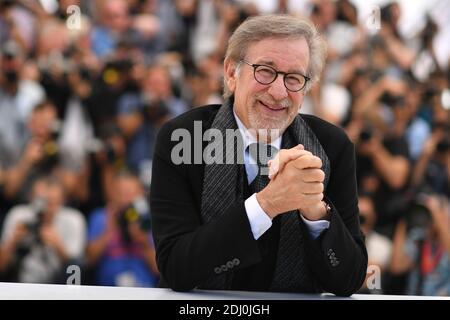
column 265, row 72
column 294, row 79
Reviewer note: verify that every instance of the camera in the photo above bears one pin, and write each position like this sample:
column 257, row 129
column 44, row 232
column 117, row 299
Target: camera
column 111, row 154
column 429, row 31
column 51, row 149
column 136, row 212
column 109, row 132
column 362, row 220
column 386, row 14
column 392, row 100
column 375, row 75
column 11, row 77
column 51, row 152
column 6, row 3
column 9, row 52
column 38, row 206
column 443, row 146
column 416, row 215
column 154, row 109
column 429, row 93
column 365, row 134
column 115, row 70
column 33, row 226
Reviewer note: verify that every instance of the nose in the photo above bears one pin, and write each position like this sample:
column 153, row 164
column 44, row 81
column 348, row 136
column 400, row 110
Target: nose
column 277, row 89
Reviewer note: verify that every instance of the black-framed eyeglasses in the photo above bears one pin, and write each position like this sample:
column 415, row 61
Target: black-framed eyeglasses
column 265, row 74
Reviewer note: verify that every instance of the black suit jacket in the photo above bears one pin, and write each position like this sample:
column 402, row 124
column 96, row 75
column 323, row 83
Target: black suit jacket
column 188, row 251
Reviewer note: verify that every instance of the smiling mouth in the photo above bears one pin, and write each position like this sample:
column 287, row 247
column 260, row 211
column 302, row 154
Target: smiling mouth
column 276, row 109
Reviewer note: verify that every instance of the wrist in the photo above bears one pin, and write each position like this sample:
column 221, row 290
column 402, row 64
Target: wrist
column 266, row 204
column 320, row 211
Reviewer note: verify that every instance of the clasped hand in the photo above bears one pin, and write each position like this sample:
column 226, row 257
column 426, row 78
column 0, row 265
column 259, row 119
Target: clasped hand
column 296, row 183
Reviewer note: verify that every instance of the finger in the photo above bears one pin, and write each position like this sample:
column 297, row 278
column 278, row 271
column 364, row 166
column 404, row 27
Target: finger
column 307, row 161
column 311, row 188
column 310, row 199
column 282, row 151
column 283, row 157
column 313, row 175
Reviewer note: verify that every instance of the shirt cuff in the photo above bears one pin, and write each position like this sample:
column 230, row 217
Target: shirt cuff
column 315, row 227
column 260, row 222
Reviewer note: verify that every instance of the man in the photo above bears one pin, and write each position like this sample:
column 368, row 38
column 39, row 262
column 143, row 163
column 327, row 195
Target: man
column 41, row 239
column 221, row 226
column 120, row 247
column 39, row 154
column 422, row 250
column 17, row 99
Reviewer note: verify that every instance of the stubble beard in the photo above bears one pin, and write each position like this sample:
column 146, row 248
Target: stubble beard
column 269, row 129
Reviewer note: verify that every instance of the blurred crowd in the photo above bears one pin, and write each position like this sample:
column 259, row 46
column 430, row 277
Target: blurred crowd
column 85, row 86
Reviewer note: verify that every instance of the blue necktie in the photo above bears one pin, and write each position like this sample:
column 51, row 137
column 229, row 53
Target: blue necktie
column 262, row 153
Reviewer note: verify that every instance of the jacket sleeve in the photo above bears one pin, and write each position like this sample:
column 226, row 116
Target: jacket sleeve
column 338, row 257
column 188, row 251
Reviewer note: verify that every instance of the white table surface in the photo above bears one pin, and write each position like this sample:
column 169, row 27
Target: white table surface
column 23, row 291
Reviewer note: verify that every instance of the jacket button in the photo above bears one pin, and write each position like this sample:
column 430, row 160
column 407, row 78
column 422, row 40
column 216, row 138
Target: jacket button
column 230, row 264
column 223, row 268
column 236, row 261
column 217, row 270
column 334, row 261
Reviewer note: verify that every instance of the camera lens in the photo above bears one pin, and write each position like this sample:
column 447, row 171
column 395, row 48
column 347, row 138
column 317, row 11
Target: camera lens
column 362, row 219
column 365, row 135
column 443, row 146
column 417, row 216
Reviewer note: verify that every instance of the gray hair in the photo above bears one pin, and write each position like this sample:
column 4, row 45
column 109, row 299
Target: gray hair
column 277, row 26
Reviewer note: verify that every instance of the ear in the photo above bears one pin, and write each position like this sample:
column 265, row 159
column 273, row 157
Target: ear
column 229, row 71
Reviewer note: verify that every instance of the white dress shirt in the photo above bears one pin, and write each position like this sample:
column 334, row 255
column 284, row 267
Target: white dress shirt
column 260, row 222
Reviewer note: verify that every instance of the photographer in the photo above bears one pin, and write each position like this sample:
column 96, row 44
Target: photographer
column 398, row 51
column 379, row 132
column 17, row 99
column 141, row 115
column 383, row 158
column 112, row 20
column 39, row 153
column 432, row 169
column 426, row 61
column 120, row 248
column 109, row 159
column 39, row 239
column 423, row 249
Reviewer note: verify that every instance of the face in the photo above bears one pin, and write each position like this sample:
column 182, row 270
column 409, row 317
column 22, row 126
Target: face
column 52, row 193
column 270, row 106
column 127, row 190
column 158, row 82
column 40, row 122
column 115, row 15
